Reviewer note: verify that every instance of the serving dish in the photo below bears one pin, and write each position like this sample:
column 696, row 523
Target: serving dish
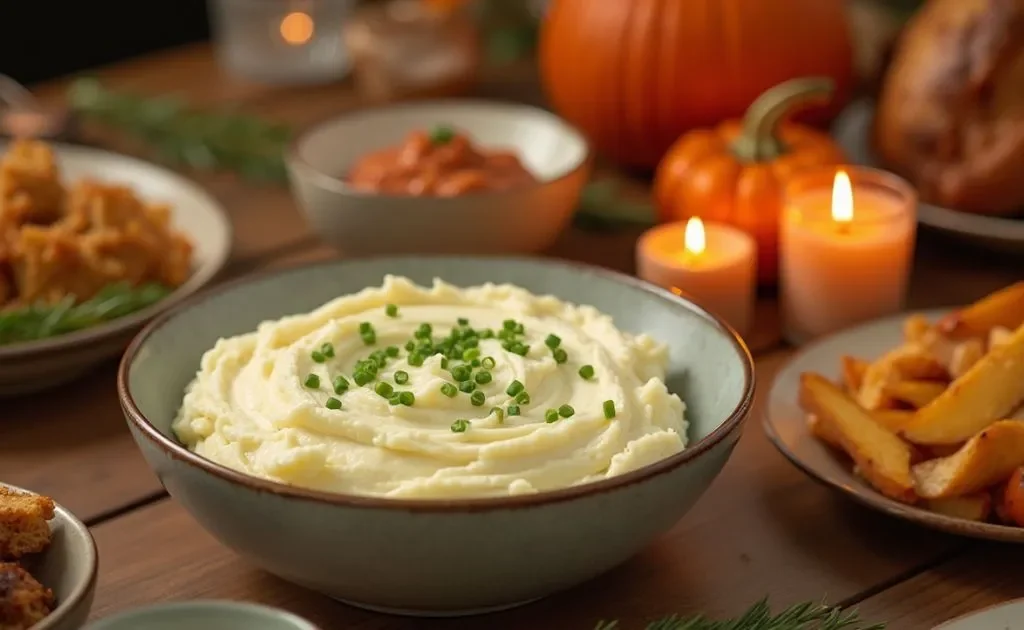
column 524, row 219
column 69, row 567
column 999, row 617
column 35, row 365
column 405, row 555
column 208, row 615
column 786, row 426
column 852, row 131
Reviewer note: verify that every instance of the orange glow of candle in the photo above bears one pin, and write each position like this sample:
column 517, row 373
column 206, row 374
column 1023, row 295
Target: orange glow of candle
column 694, row 241
column 297, row 28
column 842, row 199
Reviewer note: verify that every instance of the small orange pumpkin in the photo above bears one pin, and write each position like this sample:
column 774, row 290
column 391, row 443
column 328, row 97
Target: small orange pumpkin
column 735, row 173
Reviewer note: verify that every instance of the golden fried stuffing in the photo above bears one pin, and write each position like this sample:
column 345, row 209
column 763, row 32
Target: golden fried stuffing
column 57, row 241
column 24, row 602
column 23, row 523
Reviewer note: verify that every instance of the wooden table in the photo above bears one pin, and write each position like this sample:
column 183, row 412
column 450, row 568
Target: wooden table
column 763, row 529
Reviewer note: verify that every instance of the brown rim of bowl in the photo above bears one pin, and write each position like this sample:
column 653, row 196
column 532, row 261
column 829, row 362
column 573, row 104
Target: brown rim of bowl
column 195, row 282
column 176, row 451
column 80, row 590
column 967, row 615
column 337, row 184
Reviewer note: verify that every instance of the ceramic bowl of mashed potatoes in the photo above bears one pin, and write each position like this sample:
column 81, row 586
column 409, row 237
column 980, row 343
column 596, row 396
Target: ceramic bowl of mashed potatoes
column 437, row 435
column 440, row 177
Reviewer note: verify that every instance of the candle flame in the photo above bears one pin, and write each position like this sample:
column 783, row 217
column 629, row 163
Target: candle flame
column 297, row 28
column 693, row 238
column 842, row 198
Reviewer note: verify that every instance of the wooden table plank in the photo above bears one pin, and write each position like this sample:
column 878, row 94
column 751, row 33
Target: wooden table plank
column 762, row 529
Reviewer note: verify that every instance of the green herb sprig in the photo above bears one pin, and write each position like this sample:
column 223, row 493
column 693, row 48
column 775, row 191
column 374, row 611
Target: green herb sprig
column 200, row 139
column 42, row 321
column 806, row 616
column 603, row 206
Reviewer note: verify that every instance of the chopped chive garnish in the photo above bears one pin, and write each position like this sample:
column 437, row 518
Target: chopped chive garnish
column 327, row 349
column 552, row 341
column 444, row 363
column 551, row 415
column 365, row 327
column 333, row 403
column 499, row 414
column 475, row 363
column 477, row 398
column 394, row 399
column 566, row 411
column 509, row 324
column 482, row 377
column 362, row 378
column 519, row 329
column 471, row 343
column 463, row 321
column 312, row 381
column 471, row 353
column 407, row 398
column 410, row 345
column 519, row 348
column 441, row 134
column 449, row 390
column 401, row 377
column 514, row 388
column 461, row 372
column 460, row 425
column 340, row 384
column 415, row 360
column 487, row 363
column 523, row 398
column 513, row 410
column 369, row 338
column 424, row 331
column 391, row 310
column 317, row 356
column 384, row 389
column 609, row 409
column 467, row 386
column 392, row 351
column 587, row 372
column 560, row 355
column 486, row 333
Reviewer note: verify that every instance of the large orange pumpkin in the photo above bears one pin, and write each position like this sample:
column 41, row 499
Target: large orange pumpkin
column 735, row 173
column 636, row 74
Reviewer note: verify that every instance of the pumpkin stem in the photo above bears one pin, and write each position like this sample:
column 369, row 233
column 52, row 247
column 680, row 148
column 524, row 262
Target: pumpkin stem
column 759, row 141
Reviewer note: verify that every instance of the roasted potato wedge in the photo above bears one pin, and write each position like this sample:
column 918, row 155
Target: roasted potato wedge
column 917, row 394
column 990, row 390
column 893, row 419
column 916, row 329
column 1012, row 499
column 971, row 507
column 999, row 336
column 985, row 460
column 907, row 362
column 822, row 431
column 880, row 455
column 965, row 355
column 853, row 373
column 1004, row 308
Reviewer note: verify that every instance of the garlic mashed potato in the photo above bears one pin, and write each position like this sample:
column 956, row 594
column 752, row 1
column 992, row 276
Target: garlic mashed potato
column 441, row 392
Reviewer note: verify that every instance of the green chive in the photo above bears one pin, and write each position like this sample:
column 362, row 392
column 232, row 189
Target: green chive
column 471, row 343
column 463, row 321
column 415, row 360
column 384, row 389
column 486, row 333
column 449, row 390
column 407, row 398
column 362, row 378
column 394, row 400
column 520, row 348
column 333, row 403
column 391, row 310
column 312, row 381
column 317, row 356
column 551, row 415
column 523, row 398
column 401, row 377
column 441, row 134
column 509, row 324
column 365, row 327
column 424, row 331
column 552, row 341
column 477, row 398
column 410, row 345
column 467, row 387
column 369, row 338
column 519, row 329
column 609, row 409
column 488, row 363
column 327, row 349
column 340, row 384
column 498, row 414
column 392, row 351
column 475, row 363
column 460, row 425
column 587, row 372
column 482, row 377
column 560, row 355
column 513, row 410
column 461, row 372
column 444, row 363
column 566, row 411
column 514, row 388
column 471, row 353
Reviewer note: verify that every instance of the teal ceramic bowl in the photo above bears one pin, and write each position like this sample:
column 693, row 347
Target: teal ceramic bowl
column 203, row 615
column 439, row 557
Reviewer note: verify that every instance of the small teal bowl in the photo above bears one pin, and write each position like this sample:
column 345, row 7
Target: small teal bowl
column 439, row 557
column 203, row 615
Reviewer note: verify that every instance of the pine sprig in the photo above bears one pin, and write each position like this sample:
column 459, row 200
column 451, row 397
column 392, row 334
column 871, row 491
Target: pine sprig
column 42, row 321
column 806, row 616
column 185, row 136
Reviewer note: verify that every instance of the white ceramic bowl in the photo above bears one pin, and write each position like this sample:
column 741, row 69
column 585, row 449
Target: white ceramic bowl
column 522, row 220
column 203, row 615
column 439, row 557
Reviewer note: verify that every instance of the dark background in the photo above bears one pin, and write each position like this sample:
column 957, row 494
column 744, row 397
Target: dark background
column 44, row 39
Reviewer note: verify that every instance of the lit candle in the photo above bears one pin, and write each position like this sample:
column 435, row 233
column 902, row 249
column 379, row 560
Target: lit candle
column 846, row 245
column 711, row 263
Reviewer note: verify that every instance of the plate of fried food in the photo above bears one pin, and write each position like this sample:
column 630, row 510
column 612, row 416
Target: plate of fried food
column 918, row 416
column 92, row 245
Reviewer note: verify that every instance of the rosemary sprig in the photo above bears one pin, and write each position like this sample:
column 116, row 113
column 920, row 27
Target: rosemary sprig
column 806, row 616
column 42, row 321
column 200, row 139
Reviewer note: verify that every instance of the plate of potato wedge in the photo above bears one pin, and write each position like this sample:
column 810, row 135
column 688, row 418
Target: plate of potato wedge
column 920, row 416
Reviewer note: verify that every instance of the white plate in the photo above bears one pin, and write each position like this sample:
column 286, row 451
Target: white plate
column 1008, row 616
column 852, row 132
column 786, row 426
column 36, row 365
